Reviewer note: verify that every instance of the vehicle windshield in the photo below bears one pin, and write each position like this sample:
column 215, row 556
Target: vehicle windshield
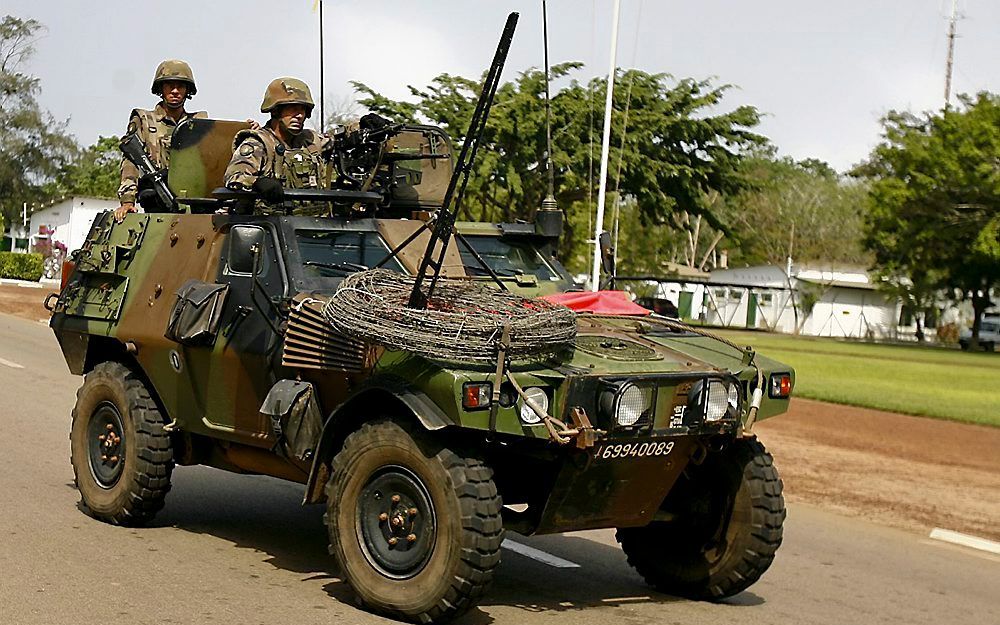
column 506, row 258
column 337, row 253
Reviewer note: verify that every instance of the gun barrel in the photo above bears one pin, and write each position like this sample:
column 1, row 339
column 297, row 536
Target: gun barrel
column 306, row 195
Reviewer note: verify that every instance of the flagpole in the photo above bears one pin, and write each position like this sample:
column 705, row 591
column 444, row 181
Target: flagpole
column 595, row 282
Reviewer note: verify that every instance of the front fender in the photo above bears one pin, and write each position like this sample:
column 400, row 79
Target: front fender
column 379, row 396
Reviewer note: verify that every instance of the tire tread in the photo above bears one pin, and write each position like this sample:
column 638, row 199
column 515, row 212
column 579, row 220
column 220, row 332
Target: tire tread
column 154, row 459
column 481, row 521
column 765, row 534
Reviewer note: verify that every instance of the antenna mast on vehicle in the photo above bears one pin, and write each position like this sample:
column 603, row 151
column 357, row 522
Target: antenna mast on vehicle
column 549, row 203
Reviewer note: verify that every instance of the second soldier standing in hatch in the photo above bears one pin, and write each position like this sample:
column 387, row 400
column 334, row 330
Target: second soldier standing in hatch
column 174, row 83
column 282, row 153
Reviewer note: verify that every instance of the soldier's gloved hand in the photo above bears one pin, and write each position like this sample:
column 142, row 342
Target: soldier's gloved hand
column 269, row 190
column 373, row 121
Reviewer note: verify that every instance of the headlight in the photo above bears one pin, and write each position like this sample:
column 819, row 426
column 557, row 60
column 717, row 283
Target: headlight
column 634, row 403
column 734, row 398
column 719, row 400
column 537, row 397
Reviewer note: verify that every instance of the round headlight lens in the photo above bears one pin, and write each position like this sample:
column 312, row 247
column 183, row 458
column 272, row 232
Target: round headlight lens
column 718, row 401
column 537, row 397
column 633, row 403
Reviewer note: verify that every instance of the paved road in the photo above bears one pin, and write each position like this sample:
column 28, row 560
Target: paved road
column 239, row 549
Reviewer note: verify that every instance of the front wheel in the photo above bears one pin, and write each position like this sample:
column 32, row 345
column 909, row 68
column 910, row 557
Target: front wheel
column 415, row 526
column 728, row 516
column 120, row 453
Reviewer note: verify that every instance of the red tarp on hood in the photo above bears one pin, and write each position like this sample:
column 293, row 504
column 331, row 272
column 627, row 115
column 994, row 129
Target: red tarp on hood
column 601, row 302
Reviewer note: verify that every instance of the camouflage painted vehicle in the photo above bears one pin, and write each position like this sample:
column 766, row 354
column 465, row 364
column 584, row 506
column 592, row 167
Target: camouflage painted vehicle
column 201, row 341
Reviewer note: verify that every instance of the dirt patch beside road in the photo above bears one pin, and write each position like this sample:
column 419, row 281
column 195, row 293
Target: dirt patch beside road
column 909, row 472
column 25, row 302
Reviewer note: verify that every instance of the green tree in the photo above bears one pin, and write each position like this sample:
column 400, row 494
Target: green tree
column 935, row 199
column 678, row 147
column 800, row 207
column 96, row 171
column 33, row 146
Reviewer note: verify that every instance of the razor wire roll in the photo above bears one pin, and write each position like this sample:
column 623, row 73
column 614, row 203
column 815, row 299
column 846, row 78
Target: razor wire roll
column 463, row 320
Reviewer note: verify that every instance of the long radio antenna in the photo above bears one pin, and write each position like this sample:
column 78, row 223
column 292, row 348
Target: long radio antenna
column 549, row 203
column 322, row 74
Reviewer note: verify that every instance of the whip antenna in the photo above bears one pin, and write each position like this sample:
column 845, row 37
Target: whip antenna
column 549, row 203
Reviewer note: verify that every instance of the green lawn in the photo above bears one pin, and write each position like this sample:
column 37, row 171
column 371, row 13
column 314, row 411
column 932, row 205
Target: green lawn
column 926, row 381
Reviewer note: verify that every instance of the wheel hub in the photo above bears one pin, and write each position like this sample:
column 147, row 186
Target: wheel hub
column 106, row 445
column 396, row 523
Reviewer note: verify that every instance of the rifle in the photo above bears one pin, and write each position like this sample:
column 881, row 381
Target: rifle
column 133, row 149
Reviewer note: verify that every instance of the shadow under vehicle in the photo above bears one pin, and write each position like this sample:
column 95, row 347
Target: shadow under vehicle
column 202, row 338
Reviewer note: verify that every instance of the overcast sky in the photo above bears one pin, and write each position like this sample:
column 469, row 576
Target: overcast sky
column 822, row 72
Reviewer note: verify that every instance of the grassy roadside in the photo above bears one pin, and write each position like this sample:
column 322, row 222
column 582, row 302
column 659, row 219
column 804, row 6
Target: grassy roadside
column 924, row 381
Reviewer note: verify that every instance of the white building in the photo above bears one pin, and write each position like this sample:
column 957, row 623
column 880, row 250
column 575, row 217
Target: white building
column 69, row 220
column 839, row 301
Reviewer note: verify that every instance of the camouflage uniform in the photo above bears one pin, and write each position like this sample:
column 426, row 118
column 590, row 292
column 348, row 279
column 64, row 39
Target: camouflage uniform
column 302, row 163
column 154, row 128
column 261, row 154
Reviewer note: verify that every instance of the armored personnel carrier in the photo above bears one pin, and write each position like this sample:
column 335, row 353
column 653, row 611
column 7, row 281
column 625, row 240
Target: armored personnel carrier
column 204, row 336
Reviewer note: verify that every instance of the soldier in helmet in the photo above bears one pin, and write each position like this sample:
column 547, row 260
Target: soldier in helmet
column 282, row 153
column 174, row 83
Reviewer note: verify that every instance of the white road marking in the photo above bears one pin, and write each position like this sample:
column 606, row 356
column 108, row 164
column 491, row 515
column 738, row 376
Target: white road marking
column 538, row 554
column 965, row 540
column 12, row 365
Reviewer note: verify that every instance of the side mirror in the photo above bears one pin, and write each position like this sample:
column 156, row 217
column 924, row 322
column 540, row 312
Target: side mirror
column 245, row 245
column 607, row 254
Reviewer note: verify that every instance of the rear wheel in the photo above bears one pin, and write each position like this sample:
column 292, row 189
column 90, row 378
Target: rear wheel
column 728, row 514
column 121, row 456
column 414, row 526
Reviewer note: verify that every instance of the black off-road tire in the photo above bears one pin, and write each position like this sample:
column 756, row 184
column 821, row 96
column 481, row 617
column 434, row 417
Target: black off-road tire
column 132, row 490
column 729, row 515
column 457, row 532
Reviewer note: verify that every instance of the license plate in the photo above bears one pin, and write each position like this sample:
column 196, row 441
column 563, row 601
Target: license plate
column 632, row 449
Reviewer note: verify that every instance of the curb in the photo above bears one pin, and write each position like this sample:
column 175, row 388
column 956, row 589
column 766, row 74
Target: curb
column 41, row 284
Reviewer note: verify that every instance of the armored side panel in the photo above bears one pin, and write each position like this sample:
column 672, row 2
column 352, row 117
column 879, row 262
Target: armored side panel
column 200, row 151
column 99, row 289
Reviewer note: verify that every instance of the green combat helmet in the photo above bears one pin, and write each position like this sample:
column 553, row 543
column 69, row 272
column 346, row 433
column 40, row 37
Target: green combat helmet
column 173, row 69
column 287, row 90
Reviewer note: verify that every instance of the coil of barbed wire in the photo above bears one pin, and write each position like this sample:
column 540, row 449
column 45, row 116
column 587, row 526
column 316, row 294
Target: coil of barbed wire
column 463, row 320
